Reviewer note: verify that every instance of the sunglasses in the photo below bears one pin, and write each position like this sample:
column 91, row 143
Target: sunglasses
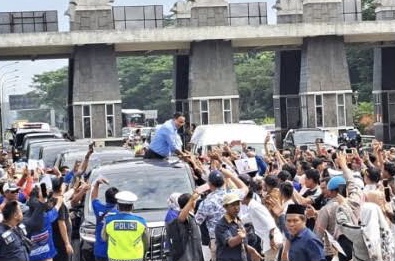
column 13, row 191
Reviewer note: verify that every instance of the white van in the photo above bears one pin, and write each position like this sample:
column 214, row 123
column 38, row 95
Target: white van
column 207, row 136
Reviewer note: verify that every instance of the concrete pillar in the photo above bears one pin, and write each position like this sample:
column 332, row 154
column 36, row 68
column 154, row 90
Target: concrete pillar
column 96, row 98
column 211, row 86
column 287, row 74
column 182, row 15
column 181, row 83
column 384, row 79
column 325, row 88
column 213, row 89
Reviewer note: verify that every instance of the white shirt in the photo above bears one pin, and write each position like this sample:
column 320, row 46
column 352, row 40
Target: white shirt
column 263, row 222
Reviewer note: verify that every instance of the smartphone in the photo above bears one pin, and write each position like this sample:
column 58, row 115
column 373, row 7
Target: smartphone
column 349, row 151
column 303, row 147
column 387, row 193
column 44, row 191
column 385, row 182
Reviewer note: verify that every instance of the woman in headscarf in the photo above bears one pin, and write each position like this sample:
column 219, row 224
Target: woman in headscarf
column 174, row 208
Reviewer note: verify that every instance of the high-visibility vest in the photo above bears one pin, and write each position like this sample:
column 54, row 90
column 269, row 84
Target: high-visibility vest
column 125, row 236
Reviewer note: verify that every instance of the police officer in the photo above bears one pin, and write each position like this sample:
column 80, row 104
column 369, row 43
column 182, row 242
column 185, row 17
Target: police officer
column 125, row 233
column 13, row 242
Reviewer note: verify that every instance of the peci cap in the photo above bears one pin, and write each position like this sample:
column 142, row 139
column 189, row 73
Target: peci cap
column 10, row 187
column 126, row 197
column 335, row 182
column 230, row 198
column 295, row 209
column 216, row 178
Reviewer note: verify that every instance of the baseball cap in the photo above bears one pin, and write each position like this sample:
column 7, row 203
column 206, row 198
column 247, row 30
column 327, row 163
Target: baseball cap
column 126, row 197
column 335, row 182
column 230, row 198
column 216, row 178
column 10, row 187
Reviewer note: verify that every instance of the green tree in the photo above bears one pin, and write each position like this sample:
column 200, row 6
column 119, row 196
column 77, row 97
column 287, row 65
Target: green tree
column 254, row 72
column 52, row 88
column 368, row 10
column 146, row 83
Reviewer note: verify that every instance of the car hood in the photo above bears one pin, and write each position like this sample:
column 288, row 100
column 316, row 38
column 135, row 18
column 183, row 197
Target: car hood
column 152, row 216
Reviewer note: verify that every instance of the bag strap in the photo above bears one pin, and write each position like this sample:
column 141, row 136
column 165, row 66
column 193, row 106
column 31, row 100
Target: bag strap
column 100, row 219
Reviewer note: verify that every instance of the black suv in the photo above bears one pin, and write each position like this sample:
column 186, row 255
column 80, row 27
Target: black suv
column 152, row 181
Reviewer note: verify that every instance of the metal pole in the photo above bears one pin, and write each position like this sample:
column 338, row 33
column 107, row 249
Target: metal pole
column 2, row 81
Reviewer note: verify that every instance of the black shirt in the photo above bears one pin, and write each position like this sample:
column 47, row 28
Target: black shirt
column 224, row 230
column 57, row 237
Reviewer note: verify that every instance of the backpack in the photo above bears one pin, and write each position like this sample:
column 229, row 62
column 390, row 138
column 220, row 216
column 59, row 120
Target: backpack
column 177, row 234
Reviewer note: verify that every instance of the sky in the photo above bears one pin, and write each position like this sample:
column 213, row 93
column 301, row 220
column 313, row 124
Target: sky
column 18, row 76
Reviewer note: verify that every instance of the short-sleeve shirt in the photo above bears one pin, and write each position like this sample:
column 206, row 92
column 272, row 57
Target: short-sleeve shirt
column 224, row 230
column 211, row 208
column 43, row 246
column 101, row 211
column 299, row 251
column 57, row 237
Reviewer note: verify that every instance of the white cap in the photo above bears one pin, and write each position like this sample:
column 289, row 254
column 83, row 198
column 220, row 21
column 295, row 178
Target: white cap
column 126, row 197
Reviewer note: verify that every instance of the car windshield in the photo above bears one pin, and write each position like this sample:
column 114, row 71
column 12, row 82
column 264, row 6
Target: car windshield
column 96, row 159
column 34, row 151
column 49, row 154
column 305, row 137
column 151, row 187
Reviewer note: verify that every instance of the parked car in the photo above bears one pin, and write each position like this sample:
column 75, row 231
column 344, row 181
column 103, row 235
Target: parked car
column 17, row 140
column 33, row 149
column 207, row 136
column 295, row 138
column 37, row 136
column 48, row 152
column 100, row 156
column 152, row 181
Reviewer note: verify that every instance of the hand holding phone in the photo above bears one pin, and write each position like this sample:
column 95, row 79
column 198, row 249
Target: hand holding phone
column 44, row 191
column 387, row 192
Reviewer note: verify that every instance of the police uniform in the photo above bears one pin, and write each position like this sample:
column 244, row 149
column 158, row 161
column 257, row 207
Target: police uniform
column 12, row 244
column 125, row 232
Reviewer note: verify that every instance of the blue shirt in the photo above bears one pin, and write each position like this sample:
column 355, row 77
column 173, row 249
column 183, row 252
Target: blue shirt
column 68, row 177
column 166, row 139
column 171, row 215
column 43, row 245
column 100, row 247
column 261, row 165
column 305, row 246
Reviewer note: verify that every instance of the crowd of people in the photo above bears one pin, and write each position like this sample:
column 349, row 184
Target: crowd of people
column 310, row 205
column 336, row 203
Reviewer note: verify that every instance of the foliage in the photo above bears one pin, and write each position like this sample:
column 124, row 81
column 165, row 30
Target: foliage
column 52, row 88
column 146, row 83
column 368, row 10
column 254, row 72
column 360, row 64
column 364, row 117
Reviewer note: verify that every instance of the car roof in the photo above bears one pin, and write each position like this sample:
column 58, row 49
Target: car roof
column 218, row 133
